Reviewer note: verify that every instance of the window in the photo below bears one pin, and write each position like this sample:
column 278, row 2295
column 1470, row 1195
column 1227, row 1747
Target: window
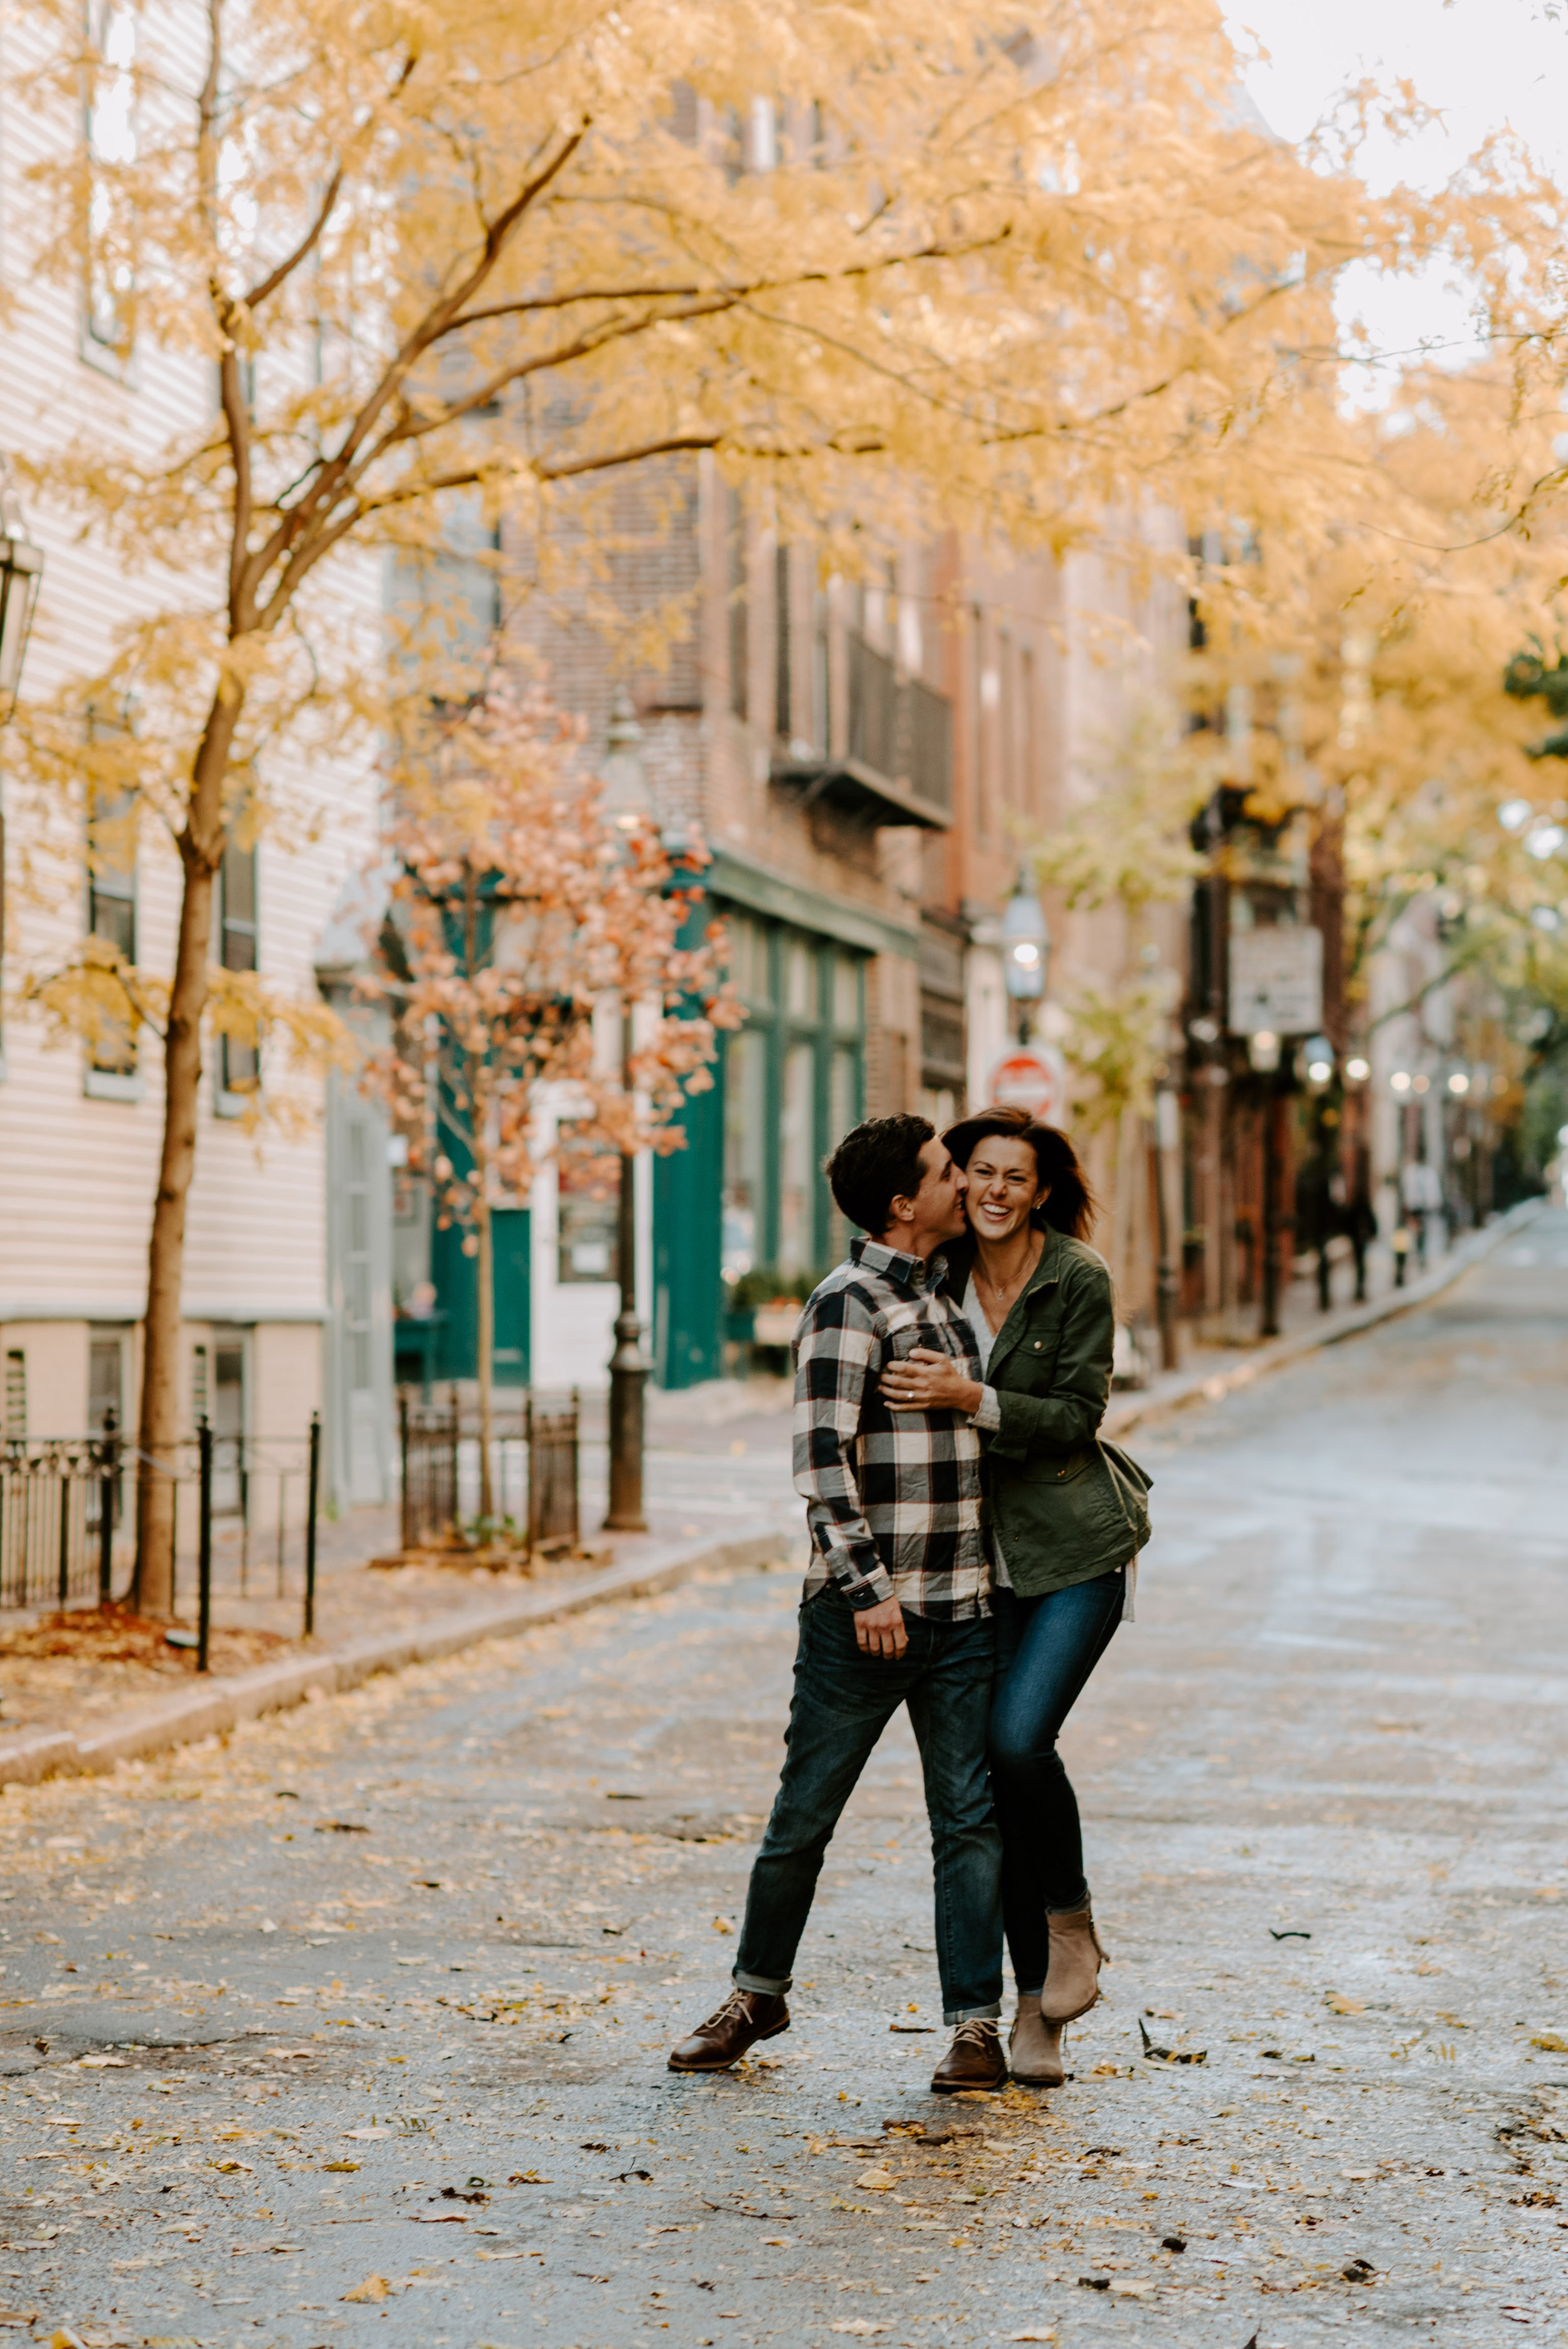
column 106, row 1380
column 587, row 1213
column 848, row 1013
column 240, row 1068
column 793, row 1087
column 111, row 132
column 16, row 1394
column 745, row 1152
column 111, row 916
column 797, row 1251
column 739, row 611
column 356, row 1258
column 801, row 978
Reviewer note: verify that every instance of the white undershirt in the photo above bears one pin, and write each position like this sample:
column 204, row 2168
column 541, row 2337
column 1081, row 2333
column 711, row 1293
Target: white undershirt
column 989, row 1415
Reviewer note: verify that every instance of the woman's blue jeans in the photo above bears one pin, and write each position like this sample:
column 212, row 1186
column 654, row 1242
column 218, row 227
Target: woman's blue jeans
column 1045, row 1650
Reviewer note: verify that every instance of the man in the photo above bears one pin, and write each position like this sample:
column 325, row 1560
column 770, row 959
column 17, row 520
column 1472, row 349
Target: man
column 895, row 1608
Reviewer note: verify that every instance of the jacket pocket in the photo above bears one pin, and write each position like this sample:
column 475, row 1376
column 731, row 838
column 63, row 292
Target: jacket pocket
column 1065, row 1469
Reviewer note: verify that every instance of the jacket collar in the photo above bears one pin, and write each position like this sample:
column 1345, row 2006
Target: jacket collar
column 1046, row 1275
column 896, row 1264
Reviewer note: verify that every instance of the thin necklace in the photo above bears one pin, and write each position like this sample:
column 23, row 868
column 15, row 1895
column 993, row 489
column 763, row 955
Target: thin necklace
column 999, row 1287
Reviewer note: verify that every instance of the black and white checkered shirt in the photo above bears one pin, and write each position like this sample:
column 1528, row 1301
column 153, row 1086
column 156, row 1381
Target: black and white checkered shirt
column 893, row 1497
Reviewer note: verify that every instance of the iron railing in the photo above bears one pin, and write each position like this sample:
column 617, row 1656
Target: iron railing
column 903, row 731
column 534, row 1460
column 60, row 1503
column 62, row 1499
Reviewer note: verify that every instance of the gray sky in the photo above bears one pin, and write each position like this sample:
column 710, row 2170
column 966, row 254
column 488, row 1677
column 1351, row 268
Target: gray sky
column 1482, row 64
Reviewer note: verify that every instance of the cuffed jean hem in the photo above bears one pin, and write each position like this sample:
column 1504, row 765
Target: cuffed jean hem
column 761, row 1982
column 991, row 2013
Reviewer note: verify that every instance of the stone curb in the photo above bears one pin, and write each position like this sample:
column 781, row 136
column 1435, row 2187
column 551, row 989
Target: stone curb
column 1199, row 1386
column 223, row 1703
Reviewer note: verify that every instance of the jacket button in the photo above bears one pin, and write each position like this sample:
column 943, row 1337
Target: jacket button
column 1037, row 1345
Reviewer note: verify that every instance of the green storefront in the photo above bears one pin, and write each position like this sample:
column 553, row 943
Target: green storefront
column 746, row 1196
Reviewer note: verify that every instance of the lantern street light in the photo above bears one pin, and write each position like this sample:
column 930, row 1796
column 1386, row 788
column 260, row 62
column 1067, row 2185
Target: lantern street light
column 626, row 802
column 20, row 574
column 1026, row 950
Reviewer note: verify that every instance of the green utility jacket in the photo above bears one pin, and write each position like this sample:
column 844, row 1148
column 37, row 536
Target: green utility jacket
column 1065, row 1506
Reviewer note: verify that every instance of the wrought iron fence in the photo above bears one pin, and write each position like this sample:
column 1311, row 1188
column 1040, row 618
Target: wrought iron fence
column 63, row 1498
column 60, row 1503
column 534, row 1455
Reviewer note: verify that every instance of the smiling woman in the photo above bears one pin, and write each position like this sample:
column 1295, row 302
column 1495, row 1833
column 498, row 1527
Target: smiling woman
column 1066, row 1519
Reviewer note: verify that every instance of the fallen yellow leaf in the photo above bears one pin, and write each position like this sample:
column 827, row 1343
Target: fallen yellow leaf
column 325, row 2165
column 375, row 2287
column 1339, row 2004
column 1552, row 2043
column 861, row 2324
column 877, row 2181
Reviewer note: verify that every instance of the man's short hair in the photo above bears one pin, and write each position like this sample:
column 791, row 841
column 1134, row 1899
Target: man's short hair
column 876, row 1164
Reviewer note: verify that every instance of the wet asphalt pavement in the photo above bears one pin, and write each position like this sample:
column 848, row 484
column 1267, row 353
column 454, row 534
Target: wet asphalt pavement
column 352, row 2031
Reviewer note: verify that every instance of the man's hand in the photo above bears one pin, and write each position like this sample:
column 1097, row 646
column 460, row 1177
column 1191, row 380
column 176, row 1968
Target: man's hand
column 927, row 1380
column 878, row 1630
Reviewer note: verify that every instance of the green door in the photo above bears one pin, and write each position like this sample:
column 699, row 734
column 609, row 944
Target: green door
column 456, row 1281
column 688, row 1289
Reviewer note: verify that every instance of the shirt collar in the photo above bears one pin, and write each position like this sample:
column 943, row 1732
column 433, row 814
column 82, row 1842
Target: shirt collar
column 895, row 1264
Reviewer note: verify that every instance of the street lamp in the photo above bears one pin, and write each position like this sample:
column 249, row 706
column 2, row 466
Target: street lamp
column 21, row 573
column 626, row 802
column 1026, row 950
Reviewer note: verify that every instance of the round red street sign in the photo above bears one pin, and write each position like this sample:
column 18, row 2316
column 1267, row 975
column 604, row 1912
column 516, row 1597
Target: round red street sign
column 1032, row 1077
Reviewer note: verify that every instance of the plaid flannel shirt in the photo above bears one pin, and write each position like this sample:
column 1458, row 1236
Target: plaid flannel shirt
column 893, row 1497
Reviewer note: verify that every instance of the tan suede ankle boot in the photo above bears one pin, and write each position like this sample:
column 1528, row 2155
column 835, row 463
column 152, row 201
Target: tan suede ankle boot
column 1072, row 1983
column 1035, row 2046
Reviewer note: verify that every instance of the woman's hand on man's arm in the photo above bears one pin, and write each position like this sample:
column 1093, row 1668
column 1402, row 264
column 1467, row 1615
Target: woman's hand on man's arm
column 927, row 1380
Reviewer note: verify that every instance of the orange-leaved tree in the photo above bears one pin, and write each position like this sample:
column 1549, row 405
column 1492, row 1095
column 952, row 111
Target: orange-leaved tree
column 881, row 264
column 528, row 932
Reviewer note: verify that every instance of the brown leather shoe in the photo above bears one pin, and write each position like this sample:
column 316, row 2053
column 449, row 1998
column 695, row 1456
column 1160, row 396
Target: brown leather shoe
column 975, row 2060
column 746, row 2016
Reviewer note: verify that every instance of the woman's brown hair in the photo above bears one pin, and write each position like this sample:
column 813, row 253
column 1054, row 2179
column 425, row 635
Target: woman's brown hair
column 1072, row 1205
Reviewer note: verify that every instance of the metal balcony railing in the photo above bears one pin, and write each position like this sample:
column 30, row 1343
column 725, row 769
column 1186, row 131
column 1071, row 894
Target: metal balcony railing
column 896, row 766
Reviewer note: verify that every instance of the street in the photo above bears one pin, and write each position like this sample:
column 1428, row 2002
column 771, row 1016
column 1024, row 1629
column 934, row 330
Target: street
column 415, row 1956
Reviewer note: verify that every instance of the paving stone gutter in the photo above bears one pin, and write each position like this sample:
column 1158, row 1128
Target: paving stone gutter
column 223, row 1703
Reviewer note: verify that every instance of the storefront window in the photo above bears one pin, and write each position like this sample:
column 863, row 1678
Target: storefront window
column 793, row 1086
column 797, row 1252
column 745, row 1148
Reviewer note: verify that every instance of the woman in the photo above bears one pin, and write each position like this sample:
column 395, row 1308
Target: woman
column 1067, row 1517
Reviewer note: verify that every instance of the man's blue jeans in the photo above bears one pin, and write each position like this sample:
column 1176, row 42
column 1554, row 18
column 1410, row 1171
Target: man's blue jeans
column 1045, row 1650
column 842, row 1702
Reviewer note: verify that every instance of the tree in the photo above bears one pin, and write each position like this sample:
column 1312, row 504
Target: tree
column 883, row 264
column 1386, row 705
column 524, row 925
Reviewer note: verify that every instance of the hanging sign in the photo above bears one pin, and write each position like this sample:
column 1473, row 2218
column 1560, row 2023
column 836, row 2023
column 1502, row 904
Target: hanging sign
column 1277, row 980
column 1032, row 1077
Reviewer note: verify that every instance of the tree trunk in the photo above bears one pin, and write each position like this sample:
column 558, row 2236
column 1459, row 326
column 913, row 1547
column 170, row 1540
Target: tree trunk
column 201, row 853
column 485, row 1268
